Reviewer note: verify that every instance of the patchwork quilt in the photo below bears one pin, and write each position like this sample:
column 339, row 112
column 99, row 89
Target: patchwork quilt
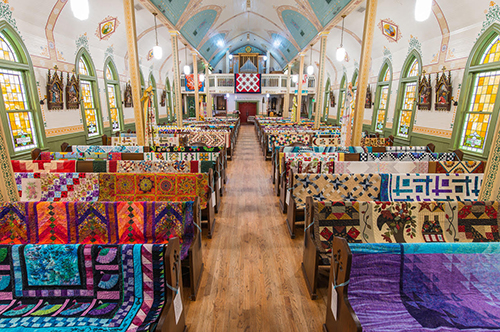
column 81, row 287
column 247, row 83
column 159, row 166
column 44, row 166
column 431, row 187
column 397, row 149
column 107, row 149
column 466, row 167
column 407, row 156
column 97, row 223
column 438, row 287
column 343, row 187
column 124, row 141
column 377, row 142
column 61, row 156
column 287, row 139
column 168, row 140
column 175, row 187
column 186, row 148
column 184, row 156
column 213, row 139
column 326, row 141
column 309, row 162
column 55, row 187
column 360, row 167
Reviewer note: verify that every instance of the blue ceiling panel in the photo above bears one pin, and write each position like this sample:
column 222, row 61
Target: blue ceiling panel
column 326, row 10
column 197, row 26
column 171, row 9
column 286, row 47
column 302, row 30
column 210, row 46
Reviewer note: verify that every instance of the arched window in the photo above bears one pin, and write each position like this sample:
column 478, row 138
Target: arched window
column 382, row 94
column 142, row 83
column 405, row 111
column 21, row 112
column 340, row 110
column 326, row 100
column 478, row 107
column 152, row 82
column 91, row 107
column 112, row 81
column 354, row 82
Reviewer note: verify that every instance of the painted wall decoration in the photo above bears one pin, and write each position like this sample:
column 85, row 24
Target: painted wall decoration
column 55, row 92
column 390, row 30
column 72, row 92
column 444, row 92
column 127, row 98
column 107, row 27
column 163, row 98
column 368, row 99
column 424, row 93
column 150, row 55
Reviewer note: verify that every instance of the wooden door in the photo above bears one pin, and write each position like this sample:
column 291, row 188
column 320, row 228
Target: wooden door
column 246, row 110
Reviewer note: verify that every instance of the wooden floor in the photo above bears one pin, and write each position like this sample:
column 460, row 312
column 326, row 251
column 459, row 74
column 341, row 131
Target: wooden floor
column 252, row 279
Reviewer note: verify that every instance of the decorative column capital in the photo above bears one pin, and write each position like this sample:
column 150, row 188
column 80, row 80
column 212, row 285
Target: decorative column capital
column 174, row 32
column 324, row 33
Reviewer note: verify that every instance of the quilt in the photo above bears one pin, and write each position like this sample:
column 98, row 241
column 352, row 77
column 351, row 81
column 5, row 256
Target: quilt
column 466, row 167
column 361, row 167
column 311, row 163
column 168, row 140
column 189, row 79
column 81, row 287
column 124, row 141
column 186, row 148
column 175, row 187
column 97, row 223
column 159, row 166
column 247, row 83
column 210, row 139
column 184, row 156
column 431, row 187
column 326, row 141
column 61, row 156
column 343, row 187
column 55, row 187
column 477, row 221
column 439, row 287
column 107, row 149
column 407, row 156
column 376, row 142
column 397, row 149
column 44, row 166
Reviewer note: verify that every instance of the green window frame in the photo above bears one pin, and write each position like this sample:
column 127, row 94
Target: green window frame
column 382, row 97
column 406, row 104
column 113, row 95
column 90, row 104
column 152, row 83
column 20, row 109
column 326, row 100
column 342, row 90
column 168, row 100
column 478, row 109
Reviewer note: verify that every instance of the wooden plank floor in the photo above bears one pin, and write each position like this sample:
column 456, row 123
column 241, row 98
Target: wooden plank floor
column 252, row 279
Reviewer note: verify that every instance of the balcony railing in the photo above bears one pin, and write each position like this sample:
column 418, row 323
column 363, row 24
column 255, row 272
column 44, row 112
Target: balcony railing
column 270, row 83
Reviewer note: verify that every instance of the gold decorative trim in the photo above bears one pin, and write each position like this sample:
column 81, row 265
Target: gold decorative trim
column 63, row 130
column 432, row 132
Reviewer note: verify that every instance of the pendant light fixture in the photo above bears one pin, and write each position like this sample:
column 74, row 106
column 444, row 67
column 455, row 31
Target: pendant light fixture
column 310, row 68
column 187, row 69
column 423, row 10
column 157, row 50
column 341, row 50
column 80, row 9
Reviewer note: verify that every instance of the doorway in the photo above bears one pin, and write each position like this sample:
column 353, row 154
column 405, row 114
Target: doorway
column 247, row 110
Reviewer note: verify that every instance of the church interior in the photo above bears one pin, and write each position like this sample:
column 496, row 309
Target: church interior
column 249, row 165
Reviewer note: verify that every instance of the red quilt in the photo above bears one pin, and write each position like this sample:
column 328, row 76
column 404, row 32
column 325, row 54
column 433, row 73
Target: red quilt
column 247, row 83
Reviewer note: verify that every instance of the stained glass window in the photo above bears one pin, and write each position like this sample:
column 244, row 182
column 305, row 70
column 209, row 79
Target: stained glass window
column 88, row 108
column 387, row 76
column 109, row 76
column 23, row 133
column 407, row 108
column 382, row 107
column 409, row 96
column 492, row 52
column 413, row 69
column 7, row 52
column 14, row 95
column 113, row 109
column 479, row 111
column 82, row 67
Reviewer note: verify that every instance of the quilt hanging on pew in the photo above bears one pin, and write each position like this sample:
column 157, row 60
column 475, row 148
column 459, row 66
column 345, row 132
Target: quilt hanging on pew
column 55, row 288
column 44, row 166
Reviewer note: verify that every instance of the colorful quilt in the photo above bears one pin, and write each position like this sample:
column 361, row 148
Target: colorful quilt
column 436, row 287
column 190, row 86
column 458, row 166
column 44, row 166
column 213, row 139
column 247, row 83
column 407, row 156
column 431, row 187
column 361, row 167
column 375, row 142
column 97, row 223
column 98, row 155
column 61, row 156
column 398, row 149
column 343, row 187
column 326, row 141
column 80, row 287
column 55, row 187
column 477, row 221
column 159, row 166
column 168, row 140
column 311, row 163
column 107, row 149
column 184, row 156
column 287, row 139
column 124, row 141
column 175, row 187
column 186, row 148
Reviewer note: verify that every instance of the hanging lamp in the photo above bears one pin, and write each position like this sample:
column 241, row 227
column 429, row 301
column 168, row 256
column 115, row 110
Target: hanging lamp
column 157, row 50
column 80, row 9
column 310, row 68
column 423, row 10
column 187, row 69
column 341, row 50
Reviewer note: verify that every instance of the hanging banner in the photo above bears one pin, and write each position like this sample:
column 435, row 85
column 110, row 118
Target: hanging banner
column 190, row 83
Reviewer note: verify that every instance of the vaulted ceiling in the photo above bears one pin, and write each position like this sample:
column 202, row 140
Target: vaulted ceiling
column 283, row 27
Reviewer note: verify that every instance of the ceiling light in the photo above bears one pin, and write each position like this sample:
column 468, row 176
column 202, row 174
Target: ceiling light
column 230, row 57
column 80, row 9
column 276, row 43
column 157, row 50
column 187, row 69
column 220, row 43
column 423, row 10
column 265, row 57
column 310, row 68
column 341, row 50
column 295, row 78
column 202, row 77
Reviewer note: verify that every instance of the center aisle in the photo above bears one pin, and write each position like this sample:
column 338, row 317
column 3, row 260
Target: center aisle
column 252, row 279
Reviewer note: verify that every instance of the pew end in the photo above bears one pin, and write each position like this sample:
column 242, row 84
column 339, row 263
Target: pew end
column 431, row 147
column 194, row 261
column 310, row 261
column 345, row 319
column 35, row 154
column 65, row 147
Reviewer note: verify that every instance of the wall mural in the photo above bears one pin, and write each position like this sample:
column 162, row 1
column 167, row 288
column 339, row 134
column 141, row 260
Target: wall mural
column 424, row 93
column 107, row 27
column 150, row 55
column 390, row 30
